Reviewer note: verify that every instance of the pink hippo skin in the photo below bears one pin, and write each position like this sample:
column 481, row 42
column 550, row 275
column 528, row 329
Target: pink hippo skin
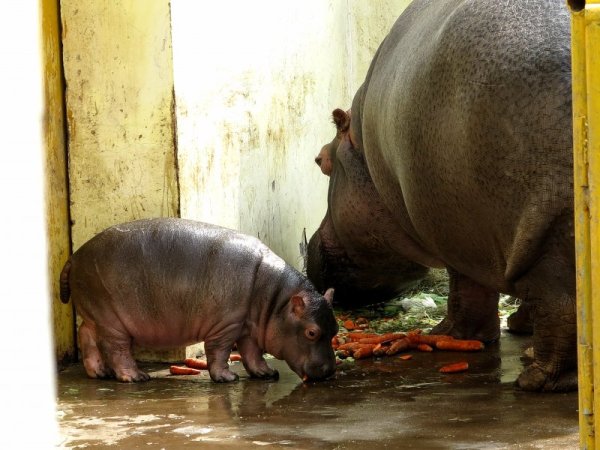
column 162, row 283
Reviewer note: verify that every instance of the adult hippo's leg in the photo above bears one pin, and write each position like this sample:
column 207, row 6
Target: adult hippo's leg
column 472, row 310
column 554, row 345
column 521, row 321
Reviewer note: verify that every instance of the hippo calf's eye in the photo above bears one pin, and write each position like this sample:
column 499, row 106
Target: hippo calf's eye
column 312, row 334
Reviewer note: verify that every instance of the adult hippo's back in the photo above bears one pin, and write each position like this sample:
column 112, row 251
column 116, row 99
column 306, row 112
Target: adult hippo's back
column 458, row 154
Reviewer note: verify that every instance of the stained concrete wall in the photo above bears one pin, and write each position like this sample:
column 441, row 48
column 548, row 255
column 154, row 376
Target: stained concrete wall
column 119, row 96
column 255, row 84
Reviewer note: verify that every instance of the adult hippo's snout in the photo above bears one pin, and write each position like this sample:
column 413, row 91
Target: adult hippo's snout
column 355, row 249
column 356, row 284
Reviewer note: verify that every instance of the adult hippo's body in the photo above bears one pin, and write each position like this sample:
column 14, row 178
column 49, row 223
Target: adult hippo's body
column 457, row 153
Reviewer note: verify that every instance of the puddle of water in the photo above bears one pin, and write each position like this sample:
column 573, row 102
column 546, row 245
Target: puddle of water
column 380, row 404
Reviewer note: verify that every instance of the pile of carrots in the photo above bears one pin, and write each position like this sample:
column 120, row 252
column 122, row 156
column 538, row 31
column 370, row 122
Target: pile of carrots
column 360, row 344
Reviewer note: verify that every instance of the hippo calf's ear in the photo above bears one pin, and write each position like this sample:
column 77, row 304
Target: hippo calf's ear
column 329, row 296
column 298, row 305
column 341, row 119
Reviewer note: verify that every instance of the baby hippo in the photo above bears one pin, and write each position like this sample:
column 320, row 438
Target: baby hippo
column 169, row 282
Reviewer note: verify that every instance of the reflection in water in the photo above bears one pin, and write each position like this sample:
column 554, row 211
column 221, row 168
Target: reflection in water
column 377, row 403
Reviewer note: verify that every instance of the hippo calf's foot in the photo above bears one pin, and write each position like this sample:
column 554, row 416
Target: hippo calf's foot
column 223, row 376
column 130, row 376
column 272, row 374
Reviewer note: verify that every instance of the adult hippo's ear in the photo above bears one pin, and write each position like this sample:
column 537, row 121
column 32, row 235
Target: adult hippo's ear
column 329, row 296
column 341, row 119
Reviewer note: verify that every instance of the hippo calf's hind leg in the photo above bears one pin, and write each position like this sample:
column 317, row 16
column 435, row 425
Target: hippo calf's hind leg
column 254, row 363
column 116, row 349
column 92, row 358
column 472, row 310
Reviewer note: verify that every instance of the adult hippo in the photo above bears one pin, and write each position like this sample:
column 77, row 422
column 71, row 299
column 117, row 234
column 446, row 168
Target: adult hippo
column 457, row 153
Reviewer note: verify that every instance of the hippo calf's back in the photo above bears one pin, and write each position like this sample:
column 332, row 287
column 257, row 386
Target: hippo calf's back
column 162, row 277
column 170, row 282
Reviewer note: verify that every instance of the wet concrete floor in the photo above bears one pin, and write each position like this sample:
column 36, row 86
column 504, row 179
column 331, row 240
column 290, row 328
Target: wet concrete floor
column 373, row 404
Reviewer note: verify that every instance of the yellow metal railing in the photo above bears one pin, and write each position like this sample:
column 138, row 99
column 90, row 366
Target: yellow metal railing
column 585, row 54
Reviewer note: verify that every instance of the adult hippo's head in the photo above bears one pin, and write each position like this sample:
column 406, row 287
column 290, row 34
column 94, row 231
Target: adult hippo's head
column 354, row 250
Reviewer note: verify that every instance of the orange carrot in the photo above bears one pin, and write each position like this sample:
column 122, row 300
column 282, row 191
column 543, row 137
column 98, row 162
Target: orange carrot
column 405, row 357
column 235, row 357
column 349, row 346
column 380, row 349
column 429, row 339
column 455, row 367
column 343, row 353
column 364, row 351
column 380, row 339
column 196, row 363
column 357, row 335
column 459, row 345
column 424, row 348
column 335, row 342
column 349, row 325
column 178, row 370
column 397, row 346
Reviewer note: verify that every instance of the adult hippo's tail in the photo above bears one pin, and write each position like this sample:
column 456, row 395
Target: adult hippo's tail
column 65, row 290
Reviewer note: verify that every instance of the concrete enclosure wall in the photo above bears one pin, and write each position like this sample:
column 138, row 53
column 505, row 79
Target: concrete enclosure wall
column 119, row 95
column 209, row 110
column 255, row 84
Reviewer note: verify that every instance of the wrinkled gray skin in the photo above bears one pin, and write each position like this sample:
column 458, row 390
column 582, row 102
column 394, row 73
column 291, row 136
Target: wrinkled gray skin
column 464, row 126
column 162, row 283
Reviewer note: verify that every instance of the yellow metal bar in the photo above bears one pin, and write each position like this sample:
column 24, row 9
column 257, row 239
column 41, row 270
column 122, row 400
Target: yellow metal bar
column 592, row 53
column 585, row 46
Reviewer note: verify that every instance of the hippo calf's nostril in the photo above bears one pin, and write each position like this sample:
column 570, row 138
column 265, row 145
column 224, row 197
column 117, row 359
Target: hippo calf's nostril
column 318, row 160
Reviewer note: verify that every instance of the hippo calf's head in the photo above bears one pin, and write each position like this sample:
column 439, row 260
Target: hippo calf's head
column 302, row 336
column 355, row 248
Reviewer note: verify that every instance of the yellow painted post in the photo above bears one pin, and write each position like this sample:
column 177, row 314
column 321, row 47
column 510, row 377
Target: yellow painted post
column 57, row 203
column 585, row 36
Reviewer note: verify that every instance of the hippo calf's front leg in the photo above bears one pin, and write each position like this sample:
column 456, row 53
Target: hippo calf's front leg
column 217, row 354
column 472, row 310
column 254, row 363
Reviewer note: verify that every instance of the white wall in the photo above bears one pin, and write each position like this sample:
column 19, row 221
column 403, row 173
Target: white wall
column 255, row 84
column 27, row 370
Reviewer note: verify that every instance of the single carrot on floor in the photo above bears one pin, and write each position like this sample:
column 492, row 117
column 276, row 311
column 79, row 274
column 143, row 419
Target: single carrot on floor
column 405, row 357
column 429, row 339
column 196, row 363
column 460, row 345
column 364, row 351
column 235, row 357
column 455, row 367
column 179, row 370
column 398, row 345
column 424, row 348
column 382, row 338
column 349, row 325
